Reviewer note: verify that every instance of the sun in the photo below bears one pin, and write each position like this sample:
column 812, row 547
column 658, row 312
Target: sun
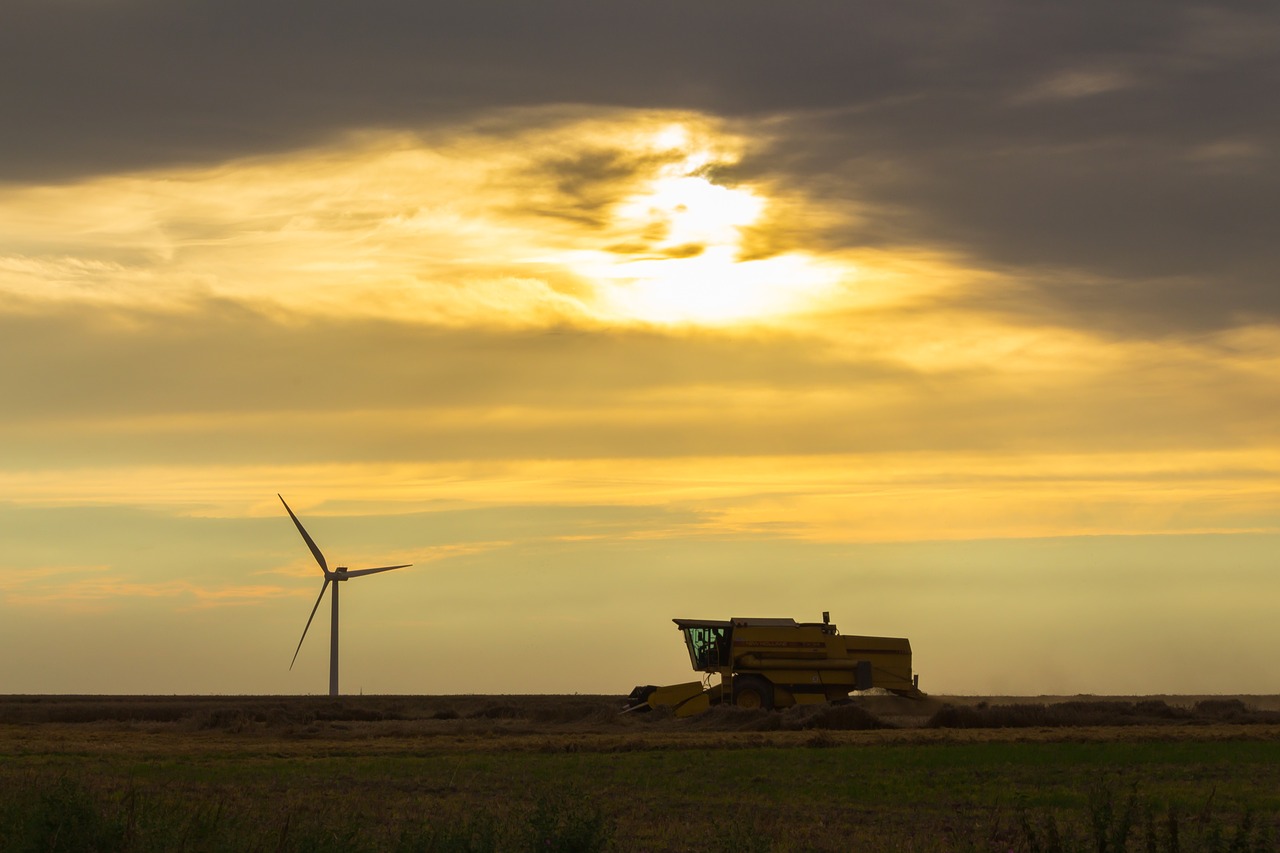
column 693, row 209
column 681, row 259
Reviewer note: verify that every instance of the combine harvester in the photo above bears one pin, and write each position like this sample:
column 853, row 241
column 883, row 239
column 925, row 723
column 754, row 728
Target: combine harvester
column 777, row 663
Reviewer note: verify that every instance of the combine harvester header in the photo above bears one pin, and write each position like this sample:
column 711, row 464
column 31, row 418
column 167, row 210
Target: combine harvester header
column 777, row 663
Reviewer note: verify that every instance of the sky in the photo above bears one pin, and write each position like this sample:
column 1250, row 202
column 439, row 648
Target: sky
column 959, row 321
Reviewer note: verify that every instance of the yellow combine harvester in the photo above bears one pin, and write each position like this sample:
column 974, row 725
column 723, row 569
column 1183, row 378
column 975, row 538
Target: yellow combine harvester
column 777, row 663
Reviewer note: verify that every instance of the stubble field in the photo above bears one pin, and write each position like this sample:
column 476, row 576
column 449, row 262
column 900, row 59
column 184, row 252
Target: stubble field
column 478, row 773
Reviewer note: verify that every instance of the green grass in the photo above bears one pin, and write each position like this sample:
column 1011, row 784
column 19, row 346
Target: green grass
column 65, row 815
column 901, row 796
column 476, row 774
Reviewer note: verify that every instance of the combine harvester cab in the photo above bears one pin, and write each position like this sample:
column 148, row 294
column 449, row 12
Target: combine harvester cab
column 777, row 663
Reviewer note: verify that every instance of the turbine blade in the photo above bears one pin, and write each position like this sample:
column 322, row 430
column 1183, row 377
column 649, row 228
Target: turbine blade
column 324, row 567
column 323, row 587
column 359, row 572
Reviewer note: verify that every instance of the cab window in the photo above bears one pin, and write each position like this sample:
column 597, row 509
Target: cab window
column 708, row 648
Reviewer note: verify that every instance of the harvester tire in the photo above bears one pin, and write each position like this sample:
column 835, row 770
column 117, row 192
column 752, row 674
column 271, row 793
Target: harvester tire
column 752, row 691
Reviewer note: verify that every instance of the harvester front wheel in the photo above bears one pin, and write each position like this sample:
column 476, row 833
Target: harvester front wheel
column 752, row 691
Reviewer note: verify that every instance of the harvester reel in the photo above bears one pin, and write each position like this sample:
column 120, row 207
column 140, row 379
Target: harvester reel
column 639, row 698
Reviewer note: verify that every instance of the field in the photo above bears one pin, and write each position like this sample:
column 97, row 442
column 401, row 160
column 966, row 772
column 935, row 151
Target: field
column 477, row 773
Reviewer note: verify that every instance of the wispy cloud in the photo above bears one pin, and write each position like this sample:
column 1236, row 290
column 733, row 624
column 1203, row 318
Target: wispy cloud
column 1077, row 83
column 73, row 591
column 584, row 221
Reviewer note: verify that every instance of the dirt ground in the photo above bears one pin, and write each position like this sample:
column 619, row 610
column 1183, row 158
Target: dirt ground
column 531, row 721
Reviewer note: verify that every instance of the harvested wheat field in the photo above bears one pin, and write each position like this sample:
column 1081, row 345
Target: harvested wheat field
column 571, row 773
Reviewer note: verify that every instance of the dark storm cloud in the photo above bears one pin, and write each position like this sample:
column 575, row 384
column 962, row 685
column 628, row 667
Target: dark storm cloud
column 98, row 84
column 1120, row 159
column 102, row 85
column 1123, row 167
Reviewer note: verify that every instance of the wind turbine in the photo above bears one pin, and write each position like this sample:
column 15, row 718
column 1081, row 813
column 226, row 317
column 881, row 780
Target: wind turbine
column 336, row 576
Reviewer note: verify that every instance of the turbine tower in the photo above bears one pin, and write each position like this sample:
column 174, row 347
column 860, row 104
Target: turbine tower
column 336, row 576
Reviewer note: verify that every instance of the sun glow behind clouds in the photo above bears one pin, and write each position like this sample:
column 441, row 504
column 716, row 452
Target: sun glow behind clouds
column 715, row 287
column 619, row 220
column 684, row 263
